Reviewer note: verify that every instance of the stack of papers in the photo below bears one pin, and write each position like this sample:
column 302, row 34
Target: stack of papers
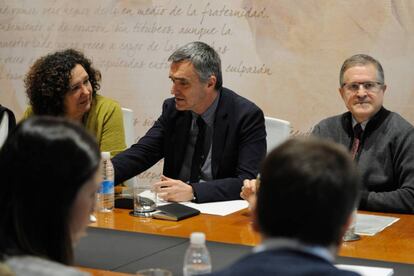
column 221, row 208
column 370, row 225
column 367, row 270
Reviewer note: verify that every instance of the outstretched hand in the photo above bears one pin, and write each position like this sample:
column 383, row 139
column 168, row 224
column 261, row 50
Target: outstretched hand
column 248, row 191
column 170, row 189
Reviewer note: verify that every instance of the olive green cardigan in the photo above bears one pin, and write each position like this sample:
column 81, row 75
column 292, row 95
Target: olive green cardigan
column 104, row 121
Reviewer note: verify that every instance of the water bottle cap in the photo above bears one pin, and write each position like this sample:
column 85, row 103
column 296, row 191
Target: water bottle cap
column 198, row 238
column 106, row 155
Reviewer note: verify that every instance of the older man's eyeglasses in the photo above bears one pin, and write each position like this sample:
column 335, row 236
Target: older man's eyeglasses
column 370, row 86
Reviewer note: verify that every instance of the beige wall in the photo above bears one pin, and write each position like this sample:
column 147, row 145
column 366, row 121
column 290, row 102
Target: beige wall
column 296, row 48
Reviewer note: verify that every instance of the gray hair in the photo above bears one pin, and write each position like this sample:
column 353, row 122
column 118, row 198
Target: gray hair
column 204, row 58
column 361, row 59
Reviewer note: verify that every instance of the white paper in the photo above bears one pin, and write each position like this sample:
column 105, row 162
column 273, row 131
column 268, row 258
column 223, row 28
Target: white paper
column 370, row 225
column 149, row 194
column 92, row 218
column 221, row 208
column 367, row 270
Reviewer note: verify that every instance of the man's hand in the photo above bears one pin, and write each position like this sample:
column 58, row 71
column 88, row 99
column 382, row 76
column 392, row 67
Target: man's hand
column 248, row 192
column 248, row 189
column 169, row 189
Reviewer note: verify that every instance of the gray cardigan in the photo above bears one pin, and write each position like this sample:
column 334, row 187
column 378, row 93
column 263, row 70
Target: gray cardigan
column 385, row 158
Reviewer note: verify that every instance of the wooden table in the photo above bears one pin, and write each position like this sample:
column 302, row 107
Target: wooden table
column 98, row 272
column 394, row 244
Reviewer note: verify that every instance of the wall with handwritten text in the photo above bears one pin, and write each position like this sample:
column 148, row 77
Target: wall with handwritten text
column 283, row 55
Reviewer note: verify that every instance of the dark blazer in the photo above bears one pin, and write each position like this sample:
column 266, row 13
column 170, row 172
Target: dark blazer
column 238, row 147
column 283, row 262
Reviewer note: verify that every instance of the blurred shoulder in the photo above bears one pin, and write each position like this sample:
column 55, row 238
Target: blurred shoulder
column 35, row 266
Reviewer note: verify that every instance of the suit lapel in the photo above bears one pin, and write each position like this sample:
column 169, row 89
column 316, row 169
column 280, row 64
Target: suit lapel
column 221, row 127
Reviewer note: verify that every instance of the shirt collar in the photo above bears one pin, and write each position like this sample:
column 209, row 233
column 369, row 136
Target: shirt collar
column 208, row 115
column 363, row 124
column 285, row 243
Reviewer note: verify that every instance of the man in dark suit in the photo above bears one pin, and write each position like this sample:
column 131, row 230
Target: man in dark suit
column 308, row 190
column 211, row 139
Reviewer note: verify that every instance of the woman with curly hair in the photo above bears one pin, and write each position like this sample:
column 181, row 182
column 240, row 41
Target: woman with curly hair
column 65, row 84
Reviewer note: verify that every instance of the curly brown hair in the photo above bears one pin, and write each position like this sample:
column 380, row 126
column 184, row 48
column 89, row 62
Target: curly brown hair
column 47, row 81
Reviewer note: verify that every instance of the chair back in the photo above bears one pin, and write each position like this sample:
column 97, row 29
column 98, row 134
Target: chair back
column 277, row 132
column 4, row 128
column 128, row 117
column 7, row 123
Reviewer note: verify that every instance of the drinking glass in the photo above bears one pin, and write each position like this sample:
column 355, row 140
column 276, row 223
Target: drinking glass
column 145, row 199
column 350, row 234
column 154, row 272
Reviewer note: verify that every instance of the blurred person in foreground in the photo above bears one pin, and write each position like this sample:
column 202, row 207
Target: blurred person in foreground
column 65, row 84
column 50, row 175
column 308, row 190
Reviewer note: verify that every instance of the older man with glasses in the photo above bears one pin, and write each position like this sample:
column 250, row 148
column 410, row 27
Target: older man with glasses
column 380, row 141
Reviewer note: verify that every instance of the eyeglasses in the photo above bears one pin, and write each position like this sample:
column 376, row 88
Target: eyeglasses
column 370, row 86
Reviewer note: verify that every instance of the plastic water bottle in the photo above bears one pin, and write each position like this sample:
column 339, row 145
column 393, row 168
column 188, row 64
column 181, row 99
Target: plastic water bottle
column 197, row 258
column 105, row 198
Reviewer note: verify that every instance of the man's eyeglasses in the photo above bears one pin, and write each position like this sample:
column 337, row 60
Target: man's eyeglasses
column 371, row 86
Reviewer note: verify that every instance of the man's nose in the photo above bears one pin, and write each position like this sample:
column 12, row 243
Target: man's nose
column 362, row 91
column 173, row 89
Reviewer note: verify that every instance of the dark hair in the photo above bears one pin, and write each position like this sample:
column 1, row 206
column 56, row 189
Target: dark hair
column 44, row 163
column 307, row 191
column 48, row 81
column 204, row 58
column 358, row 60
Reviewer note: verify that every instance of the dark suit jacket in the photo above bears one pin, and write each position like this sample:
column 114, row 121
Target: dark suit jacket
column 239, row 145
column 283, row 262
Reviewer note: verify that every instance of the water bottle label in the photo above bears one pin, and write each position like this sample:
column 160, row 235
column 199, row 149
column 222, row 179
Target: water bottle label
column 107, row 187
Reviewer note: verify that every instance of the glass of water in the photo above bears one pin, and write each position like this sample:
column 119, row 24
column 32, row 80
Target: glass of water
column 145, row 199
column 350, row 234
column 154, row 272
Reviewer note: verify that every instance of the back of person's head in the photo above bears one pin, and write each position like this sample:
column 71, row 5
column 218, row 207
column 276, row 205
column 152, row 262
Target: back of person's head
column 307, row 192
column 204, row 58
column 48, row 80
column 44, row 163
